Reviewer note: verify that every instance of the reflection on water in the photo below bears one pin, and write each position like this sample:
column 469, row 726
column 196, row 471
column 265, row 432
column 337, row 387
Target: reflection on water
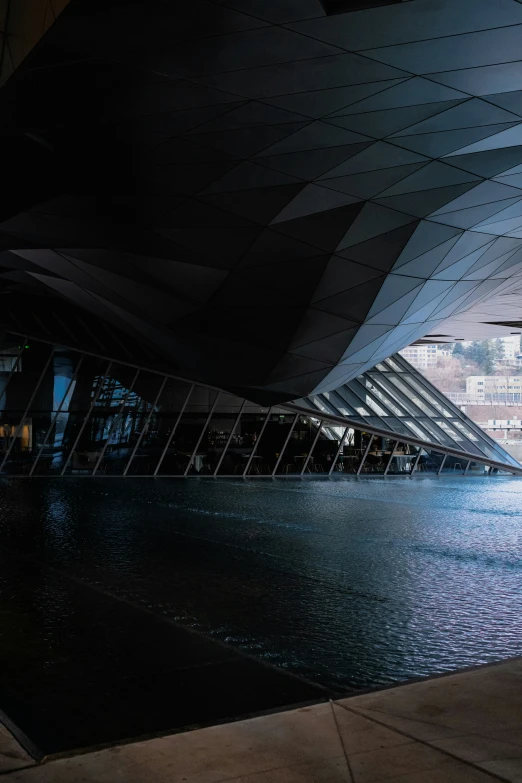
column 350, row 583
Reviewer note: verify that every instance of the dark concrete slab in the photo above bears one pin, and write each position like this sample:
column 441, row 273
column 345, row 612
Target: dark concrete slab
column 79, row 667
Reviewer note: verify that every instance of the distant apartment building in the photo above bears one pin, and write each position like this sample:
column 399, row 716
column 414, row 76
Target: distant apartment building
column 494, row 388
column 424, row 356
column 511, row 346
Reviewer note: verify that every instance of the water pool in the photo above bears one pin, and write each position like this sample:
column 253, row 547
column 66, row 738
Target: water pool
column 351, row 584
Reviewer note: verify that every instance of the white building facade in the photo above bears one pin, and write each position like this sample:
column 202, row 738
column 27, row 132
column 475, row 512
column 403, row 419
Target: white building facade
column 511, row 346
column 424, row 356
column 494, row 388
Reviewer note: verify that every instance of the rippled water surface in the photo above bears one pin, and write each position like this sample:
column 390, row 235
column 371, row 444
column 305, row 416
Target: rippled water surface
column 349, row 583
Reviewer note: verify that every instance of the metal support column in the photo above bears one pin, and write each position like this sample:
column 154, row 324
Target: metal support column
column 388, row 464
column 306, row 461
column 417, row 458
column 467, row 467
column 27, row 409
column 196, row 447
column 285, row 444
column 55, row 417
column 256, row 444
column 113, row 423
column 365, row 455
column 175, row 427
column 441, row 465
column 236, row 422
column 145, row 425
column 341, row 444
column 86, row 418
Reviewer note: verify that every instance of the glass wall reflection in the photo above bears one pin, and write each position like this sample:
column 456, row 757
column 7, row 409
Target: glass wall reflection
column 67, row 413
column 158, row 444
column 242, row 457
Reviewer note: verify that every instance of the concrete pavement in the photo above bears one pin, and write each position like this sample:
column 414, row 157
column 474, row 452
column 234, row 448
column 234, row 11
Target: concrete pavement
column 461, row 728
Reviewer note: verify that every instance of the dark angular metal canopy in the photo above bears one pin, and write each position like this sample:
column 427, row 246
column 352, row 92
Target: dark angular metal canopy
column 271, row 198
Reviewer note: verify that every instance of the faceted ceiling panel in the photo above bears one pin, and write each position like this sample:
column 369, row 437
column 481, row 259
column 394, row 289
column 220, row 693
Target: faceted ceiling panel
column 272, row 197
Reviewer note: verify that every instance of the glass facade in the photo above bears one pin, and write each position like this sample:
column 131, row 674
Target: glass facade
column 65, row 413
column 397, row 399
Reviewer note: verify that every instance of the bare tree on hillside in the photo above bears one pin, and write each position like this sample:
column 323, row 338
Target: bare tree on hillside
column 450, row 373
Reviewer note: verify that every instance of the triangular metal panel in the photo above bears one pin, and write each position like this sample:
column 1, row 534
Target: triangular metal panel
column 372, row 221
column 371, row 183
column 379, row 124
column 310, row 200
column 380, row 155
column 436, row 145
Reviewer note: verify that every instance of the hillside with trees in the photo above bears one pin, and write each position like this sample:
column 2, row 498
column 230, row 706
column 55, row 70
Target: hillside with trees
column 481, row 357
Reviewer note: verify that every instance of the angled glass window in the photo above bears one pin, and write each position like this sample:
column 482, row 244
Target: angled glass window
column 393, row 365
column 381, row 396
column 432, row 399
column 416, row 398
column 416, row 430
column 393, row 396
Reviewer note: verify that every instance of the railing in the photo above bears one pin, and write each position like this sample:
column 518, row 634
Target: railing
column 502, row 400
